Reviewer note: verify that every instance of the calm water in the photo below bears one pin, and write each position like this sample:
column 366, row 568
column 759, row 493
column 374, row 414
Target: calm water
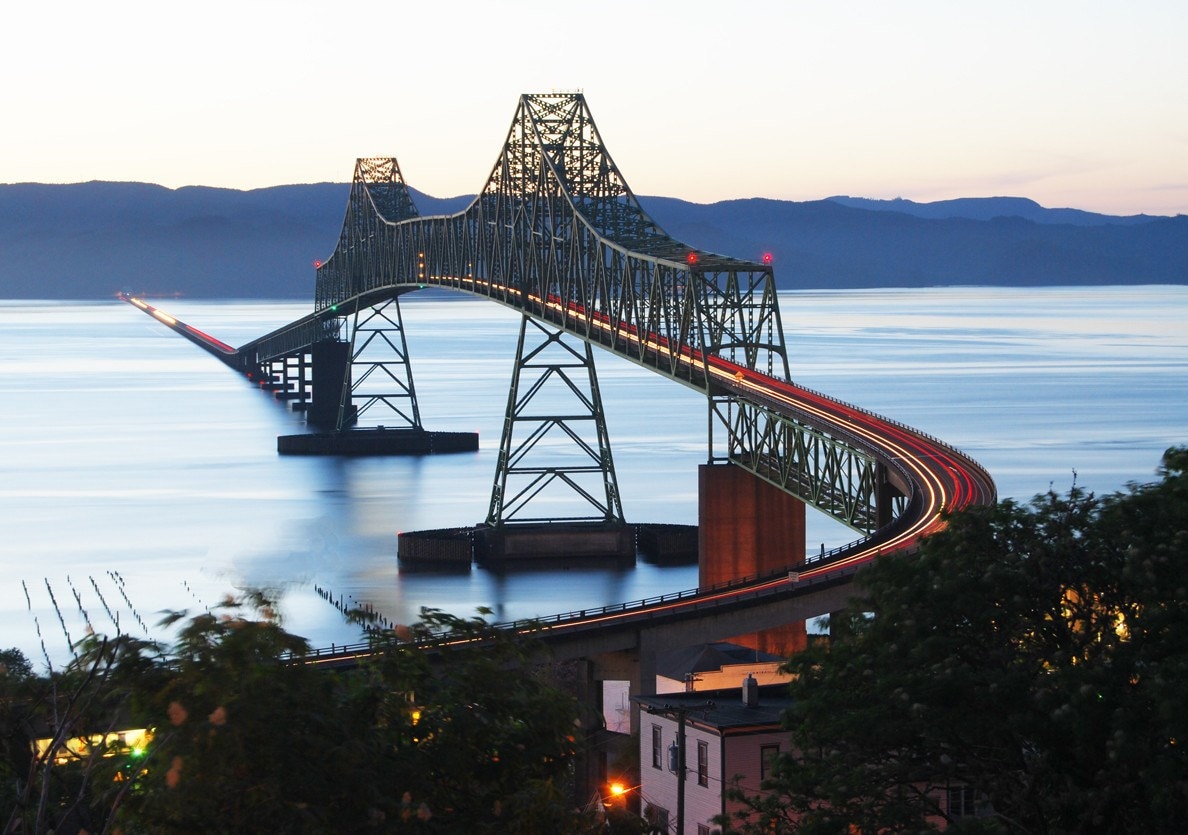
column 140, row 474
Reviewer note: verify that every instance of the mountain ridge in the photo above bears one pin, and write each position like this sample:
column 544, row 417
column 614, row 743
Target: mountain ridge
column 89, row 240
column 989, row 208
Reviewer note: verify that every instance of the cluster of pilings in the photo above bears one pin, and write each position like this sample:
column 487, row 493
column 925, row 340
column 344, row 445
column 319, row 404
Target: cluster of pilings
column 358, row 611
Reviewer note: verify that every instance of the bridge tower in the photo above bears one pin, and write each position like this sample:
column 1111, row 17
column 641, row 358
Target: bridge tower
column 361, row 368
column 378, row 382
column 554, row 453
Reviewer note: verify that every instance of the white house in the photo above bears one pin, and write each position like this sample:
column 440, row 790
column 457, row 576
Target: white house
column 727, row 733
column 730, row 735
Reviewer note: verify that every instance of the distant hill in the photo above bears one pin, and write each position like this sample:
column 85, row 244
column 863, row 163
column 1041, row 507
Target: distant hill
column 90, row 240
column 989, row 208
column 828, row 243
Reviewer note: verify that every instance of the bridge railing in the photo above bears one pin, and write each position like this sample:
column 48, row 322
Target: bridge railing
column 913, row 430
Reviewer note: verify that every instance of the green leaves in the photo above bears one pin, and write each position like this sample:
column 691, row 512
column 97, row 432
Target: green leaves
column 1038, row 654
column 468, row 735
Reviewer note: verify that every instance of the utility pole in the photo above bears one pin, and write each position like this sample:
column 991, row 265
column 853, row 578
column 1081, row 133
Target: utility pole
column 680, row 713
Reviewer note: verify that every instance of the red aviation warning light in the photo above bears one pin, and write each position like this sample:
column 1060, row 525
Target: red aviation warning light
column 767, row 258
column 317, row 264
column 691, row 257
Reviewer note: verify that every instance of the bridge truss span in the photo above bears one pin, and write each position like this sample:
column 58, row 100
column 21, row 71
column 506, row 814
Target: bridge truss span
column 556, row 231
column 557, row 234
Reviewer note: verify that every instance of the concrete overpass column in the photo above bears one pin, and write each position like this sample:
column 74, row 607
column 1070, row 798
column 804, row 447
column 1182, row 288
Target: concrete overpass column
column 646, row 668
column 590, row 764
column 604, row 752
column 748, row 527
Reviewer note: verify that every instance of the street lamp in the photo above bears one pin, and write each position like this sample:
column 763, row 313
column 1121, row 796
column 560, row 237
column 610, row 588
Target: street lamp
column 617, row 791
column 618, row 804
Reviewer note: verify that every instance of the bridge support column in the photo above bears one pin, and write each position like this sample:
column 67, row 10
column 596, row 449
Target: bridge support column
column 348, row 379
column 607, row 752
column 555, row 454
column 590, row 763
column 748, row 527
column 296, row 377
column 381, row 373
column 287, row 377
column 330, row 365
column 888, row 492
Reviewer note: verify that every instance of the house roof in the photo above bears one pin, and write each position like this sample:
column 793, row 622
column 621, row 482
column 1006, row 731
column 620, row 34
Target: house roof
column 703, row 658
column 722, row 710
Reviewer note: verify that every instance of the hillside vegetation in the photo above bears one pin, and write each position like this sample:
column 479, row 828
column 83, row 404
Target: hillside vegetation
column 90, row 240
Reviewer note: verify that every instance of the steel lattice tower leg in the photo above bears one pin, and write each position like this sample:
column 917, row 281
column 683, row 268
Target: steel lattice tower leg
column 380, row 377
column 559, row 450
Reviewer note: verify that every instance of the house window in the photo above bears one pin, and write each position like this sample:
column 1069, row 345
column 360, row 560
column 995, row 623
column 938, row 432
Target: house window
column 657, row 748
column 702, row 763
column 961, row 801
column 768, row 754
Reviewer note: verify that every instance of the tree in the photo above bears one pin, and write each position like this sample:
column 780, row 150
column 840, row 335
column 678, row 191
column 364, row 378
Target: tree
column 69, row 714
column 452, row 726
column 1035, row 656
column 16, row 675
column 14, row 666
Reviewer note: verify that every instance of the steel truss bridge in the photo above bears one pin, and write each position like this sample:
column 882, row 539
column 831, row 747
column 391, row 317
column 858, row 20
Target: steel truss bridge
column 557, row 235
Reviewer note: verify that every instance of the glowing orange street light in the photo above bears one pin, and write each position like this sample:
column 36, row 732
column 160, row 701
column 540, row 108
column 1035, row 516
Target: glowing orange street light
column 618, row 794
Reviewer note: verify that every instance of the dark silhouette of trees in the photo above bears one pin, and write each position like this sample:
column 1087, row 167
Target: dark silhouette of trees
column 1031, row 658
column 470, row 734
column 16, row 709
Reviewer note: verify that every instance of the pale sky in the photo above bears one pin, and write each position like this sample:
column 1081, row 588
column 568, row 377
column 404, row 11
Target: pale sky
column 1078, row 104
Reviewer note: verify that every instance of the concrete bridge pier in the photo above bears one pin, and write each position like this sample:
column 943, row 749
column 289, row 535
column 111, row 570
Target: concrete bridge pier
column 748, row 527
column 597, row 758
column 589, row 771
column 331, row 362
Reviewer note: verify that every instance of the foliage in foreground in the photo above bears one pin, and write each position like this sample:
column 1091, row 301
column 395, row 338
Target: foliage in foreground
column 467, row 737
column 1036, row 654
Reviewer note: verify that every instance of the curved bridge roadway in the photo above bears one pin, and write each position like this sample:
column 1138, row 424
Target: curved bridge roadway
column 941, row 480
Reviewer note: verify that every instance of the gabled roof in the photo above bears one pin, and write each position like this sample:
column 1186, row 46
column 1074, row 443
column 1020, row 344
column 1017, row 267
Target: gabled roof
column 722, row 710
